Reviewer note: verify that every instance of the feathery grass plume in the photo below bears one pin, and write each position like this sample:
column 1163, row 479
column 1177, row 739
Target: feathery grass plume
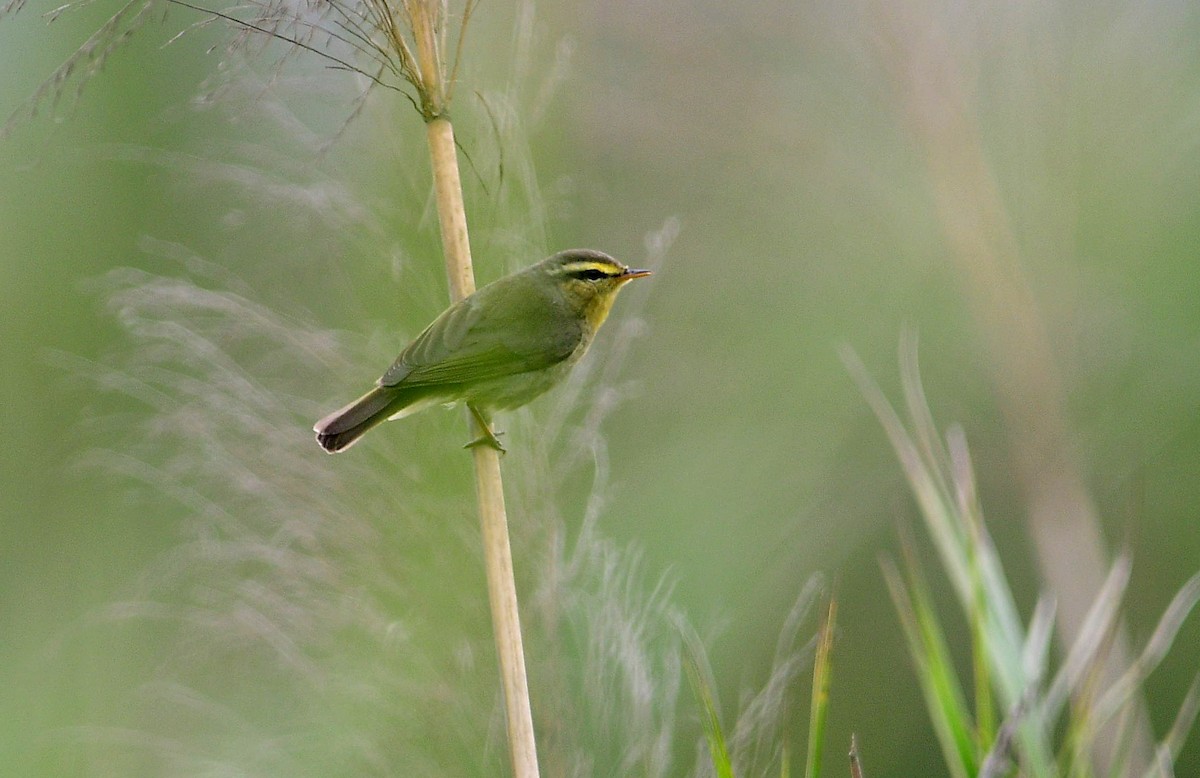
column 287, row 575
column 391, row 45
column 1039, row 733
column 608, row 670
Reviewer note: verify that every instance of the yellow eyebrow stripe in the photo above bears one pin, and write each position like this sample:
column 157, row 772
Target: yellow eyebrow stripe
column 603, row 267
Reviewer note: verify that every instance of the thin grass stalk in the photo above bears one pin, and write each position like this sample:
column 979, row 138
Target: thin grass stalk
column 489, row 486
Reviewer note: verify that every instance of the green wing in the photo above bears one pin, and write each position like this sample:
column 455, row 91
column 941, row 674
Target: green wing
column 496, row 332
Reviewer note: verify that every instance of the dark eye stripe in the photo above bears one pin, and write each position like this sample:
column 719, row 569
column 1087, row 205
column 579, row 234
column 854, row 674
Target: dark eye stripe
column 591, row 271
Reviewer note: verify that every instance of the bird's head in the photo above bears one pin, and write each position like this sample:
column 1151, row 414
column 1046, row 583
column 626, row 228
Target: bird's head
column 589, row 281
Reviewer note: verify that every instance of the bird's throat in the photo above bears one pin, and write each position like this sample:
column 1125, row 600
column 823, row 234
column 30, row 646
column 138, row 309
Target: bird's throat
column 598, row 308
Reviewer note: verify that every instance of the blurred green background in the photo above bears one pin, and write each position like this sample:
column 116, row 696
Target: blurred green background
column 790, row 146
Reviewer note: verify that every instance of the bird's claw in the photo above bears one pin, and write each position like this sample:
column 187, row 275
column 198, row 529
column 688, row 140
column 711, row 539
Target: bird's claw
column 488, row 437
column 491, row 440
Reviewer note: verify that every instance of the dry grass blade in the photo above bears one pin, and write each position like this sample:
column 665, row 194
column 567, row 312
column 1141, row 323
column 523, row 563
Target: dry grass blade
column 1168, row 750
column 856, row 770
column 1093, row 634
column 1129, row 684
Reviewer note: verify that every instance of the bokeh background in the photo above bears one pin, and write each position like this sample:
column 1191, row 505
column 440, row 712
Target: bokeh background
column 199, row 256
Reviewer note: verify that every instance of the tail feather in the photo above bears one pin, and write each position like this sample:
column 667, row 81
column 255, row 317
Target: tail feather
column 341, row 429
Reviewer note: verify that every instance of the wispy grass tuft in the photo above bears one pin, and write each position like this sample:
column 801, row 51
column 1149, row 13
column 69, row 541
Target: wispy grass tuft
column 757, row 745
column 273, row 579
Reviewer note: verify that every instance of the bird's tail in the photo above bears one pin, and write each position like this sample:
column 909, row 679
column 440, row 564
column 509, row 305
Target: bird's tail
column 341, row 429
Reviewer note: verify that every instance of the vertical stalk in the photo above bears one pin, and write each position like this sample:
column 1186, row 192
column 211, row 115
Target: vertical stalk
column 427, row 73
column 452, row 215
column 489, row 488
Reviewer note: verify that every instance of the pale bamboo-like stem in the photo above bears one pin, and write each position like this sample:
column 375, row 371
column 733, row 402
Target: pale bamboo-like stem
column 489, row 488
column 426, row 19
column 456, row 243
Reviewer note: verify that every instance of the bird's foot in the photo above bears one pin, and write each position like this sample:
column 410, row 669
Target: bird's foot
column 491, row 440
column 488, row 437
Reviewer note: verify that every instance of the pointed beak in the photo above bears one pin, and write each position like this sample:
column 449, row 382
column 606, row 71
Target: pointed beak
column 631, row 274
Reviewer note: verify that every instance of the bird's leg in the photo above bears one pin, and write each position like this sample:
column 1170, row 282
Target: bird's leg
column 486, row 437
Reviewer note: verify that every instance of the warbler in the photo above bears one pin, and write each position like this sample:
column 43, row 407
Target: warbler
column 496, row 349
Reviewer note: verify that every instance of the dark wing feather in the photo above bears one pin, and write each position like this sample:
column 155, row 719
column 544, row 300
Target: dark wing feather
column 494, row 333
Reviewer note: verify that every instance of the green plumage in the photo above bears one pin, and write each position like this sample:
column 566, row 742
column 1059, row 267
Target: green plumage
column 499, row 348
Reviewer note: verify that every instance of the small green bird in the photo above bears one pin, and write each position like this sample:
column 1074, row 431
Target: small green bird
column 497, row 349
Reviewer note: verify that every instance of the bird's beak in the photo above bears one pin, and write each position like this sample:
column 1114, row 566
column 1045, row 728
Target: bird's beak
column 631, row 274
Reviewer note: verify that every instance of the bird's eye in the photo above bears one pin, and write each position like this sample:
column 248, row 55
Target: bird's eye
column 591, row 274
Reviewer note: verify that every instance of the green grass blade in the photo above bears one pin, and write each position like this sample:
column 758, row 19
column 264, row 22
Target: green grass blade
column 978, row 612
column 927, row 647
column 822, row 674
column 955, row 525
column 700, row 679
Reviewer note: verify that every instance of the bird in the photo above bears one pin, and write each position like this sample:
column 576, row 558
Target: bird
column 496, row 349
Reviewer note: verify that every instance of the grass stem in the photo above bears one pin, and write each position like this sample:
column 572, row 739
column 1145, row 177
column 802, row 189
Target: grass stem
column 489, row 487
